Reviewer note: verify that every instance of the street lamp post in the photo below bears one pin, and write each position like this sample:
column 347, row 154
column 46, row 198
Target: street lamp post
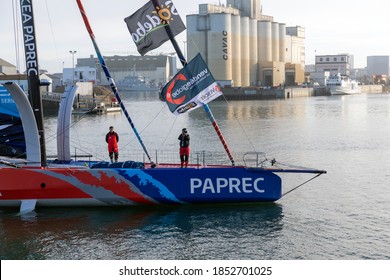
column 73, row 53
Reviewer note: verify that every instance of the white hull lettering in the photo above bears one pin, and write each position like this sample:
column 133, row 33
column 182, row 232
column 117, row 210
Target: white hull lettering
column 226, row 185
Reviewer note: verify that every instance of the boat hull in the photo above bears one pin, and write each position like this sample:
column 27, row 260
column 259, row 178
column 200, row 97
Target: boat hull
column 344, row 90
column 119, row 186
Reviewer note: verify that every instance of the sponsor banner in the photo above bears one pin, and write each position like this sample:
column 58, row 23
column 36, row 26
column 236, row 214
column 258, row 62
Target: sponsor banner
column 147, row 25
column 7, row 103
column 192, row 87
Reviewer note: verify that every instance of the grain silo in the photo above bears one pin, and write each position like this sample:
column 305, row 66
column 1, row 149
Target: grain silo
column 264, row 37
column 219, row 46
column 282, row 42
column 241, row 45
column 245, row 53
column 275, row 42
column 236, row 49
column 196, row 36
column 253, row 57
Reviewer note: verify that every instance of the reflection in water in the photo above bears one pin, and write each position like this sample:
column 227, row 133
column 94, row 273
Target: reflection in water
column 172, row 232
column 348, row 137
column 134, row 96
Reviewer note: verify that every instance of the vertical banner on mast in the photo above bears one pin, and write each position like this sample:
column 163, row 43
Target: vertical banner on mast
column 32, row 70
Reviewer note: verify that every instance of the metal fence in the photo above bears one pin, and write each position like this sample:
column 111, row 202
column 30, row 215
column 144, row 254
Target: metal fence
column 201, row 158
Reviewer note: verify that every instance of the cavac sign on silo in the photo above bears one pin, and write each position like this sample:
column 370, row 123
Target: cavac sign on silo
column 225, row 45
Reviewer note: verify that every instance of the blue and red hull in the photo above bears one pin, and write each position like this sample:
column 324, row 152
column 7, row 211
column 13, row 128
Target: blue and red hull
column 122, row 186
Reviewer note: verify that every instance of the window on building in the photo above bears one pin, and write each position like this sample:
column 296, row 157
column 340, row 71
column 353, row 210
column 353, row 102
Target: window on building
column 342, row 59
column 327, row 59
column 321, row 59
column 335, row 59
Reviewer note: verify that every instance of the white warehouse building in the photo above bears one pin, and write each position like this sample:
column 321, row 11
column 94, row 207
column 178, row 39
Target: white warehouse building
column 241, row 45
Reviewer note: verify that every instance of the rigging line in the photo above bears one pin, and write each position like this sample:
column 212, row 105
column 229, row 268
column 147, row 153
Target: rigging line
column 293, row 189
column 240, row 124
column 16, row 34
column 169, row 133
column 53, row 135
column 95, row 155
column 85, row 147
column 53, row 34
column 193, row 42
column 291, row 165
column 224, row 97
column 81, row 146
column 8, row 163
column 89, row 143
column 143, row 129
column 110, row 79
column 73, row 123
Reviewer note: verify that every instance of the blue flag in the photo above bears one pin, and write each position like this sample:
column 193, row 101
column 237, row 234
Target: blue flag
column 191, row 87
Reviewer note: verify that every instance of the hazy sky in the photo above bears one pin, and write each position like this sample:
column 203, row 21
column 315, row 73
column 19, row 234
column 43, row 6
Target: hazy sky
column 360, row 28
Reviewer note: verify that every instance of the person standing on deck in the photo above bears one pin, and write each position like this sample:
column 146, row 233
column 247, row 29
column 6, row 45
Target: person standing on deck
column 184, row 138
column 112, row 140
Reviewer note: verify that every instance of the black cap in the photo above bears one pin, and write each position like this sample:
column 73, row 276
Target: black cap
column 184, row 130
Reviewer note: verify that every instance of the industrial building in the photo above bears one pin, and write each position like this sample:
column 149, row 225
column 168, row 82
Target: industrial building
column 7, row 68
column 334, row 64
column 243, row 47
column 157, row 69
column 378, row 65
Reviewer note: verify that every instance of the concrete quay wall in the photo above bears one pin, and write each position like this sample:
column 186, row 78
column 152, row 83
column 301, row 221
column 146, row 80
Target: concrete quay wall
column 256, row 93
column 372, row 88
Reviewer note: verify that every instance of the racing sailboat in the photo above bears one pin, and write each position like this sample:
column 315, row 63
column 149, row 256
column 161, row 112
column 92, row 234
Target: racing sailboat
column 36, row 182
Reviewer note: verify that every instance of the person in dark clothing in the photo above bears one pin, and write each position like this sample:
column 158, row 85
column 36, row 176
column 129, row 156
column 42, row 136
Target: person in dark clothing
column 112, row 140
column 184, row 138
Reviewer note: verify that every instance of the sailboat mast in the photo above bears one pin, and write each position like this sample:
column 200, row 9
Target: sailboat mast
column 205, row 106
column 109, row 78
column 32, row 70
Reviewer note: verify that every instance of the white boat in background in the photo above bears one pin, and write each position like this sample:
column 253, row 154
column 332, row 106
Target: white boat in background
column 341, row 85
column 135, row 83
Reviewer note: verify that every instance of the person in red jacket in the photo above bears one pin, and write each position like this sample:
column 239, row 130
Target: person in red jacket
column 112, row 139
column 184, row 138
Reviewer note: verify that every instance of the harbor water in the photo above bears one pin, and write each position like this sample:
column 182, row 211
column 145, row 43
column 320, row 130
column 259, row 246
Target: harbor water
column 344, row 214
